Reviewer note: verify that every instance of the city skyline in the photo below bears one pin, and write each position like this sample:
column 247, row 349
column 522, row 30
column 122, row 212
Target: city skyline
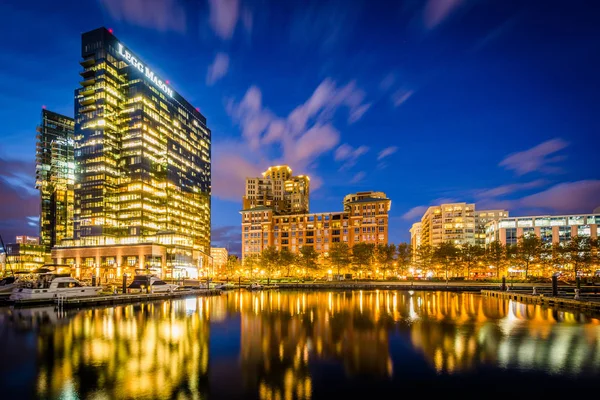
column 480, row 107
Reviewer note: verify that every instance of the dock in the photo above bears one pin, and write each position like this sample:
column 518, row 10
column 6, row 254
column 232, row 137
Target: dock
column 113, row 299
column 590, row 303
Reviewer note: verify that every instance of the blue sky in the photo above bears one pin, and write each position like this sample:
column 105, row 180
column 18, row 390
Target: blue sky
column 492, row 102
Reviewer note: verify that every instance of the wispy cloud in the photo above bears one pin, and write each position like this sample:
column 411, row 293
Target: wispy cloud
column 162, row 15
column 359, row 176
column 229, row 236
column 537, row 158
column 224, row 17
column 18, row 199
column 349, row 155
column 566, row 197
column 436, row 11
column 414, row 213
column 504, row 190
column 217, row 69
column 388, row 151
column 298, row 139
column 400, row 96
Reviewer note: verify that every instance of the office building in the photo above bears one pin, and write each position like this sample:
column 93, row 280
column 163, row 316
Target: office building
column 459, row 223
column 55, row 177
column 26, row 254
column 549, row 228
column 143, row 166
column 219, row 259
column 364, row 220
column 278, row 190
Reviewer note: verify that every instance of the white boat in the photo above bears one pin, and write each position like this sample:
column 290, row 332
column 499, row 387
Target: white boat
column 225, row 286
column 54, row 287
column 152, row 284
column 255, row 286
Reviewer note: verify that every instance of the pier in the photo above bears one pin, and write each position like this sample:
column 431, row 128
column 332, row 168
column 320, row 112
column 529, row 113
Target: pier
column 584, row 303
column 109, row 299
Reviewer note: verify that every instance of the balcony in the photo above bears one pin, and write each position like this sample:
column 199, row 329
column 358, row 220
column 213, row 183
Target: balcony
column 88, row 73
column 87, row 82
column 87, row 63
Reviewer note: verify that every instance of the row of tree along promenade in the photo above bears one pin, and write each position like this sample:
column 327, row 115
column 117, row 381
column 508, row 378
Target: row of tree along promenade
column 529, row 260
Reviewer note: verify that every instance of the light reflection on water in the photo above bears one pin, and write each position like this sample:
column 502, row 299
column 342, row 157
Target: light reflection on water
column 285, row 344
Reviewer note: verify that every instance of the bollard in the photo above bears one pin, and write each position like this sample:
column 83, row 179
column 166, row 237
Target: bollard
column 93, row 280
column 239, row 282
column 554, row 285
column 124, row 283
column 578, row 280
column 577, row 294
column 534, row 291
column 503, row 287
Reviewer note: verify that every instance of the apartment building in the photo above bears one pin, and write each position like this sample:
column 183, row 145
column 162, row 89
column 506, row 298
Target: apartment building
column 364, row 220
column 459, row 223
column 279, row 190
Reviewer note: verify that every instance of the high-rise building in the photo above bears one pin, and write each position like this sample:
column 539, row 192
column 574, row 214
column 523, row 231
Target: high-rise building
column 549, row 228
column 459, row 223
column 219, row 258
column 143, row 161
column 26, row 254
column 55, row 177
column 364, row 220
column 415, row 235
column 278, row 190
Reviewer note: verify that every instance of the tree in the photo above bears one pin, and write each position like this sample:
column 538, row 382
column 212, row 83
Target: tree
column 469, row 256
column 404, row 256
column 495, row 255
column 251, row 262
column 233, row 263
column 286, row 259
column 577, row 253
column 528, row 251
column 308, row 257
column 384, row 254
column 445, row 254
column 362, row 255
column 339, row 255
column 269, row 259
column 424, row 256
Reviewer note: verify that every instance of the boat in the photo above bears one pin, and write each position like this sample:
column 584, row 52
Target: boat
column 49, row 287
column 152, row 284
column 225, row 286
column 255, row 286
column 8, row 283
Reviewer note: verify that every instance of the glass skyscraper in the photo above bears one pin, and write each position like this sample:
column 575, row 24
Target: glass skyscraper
column 55, row 177
column 142, row 169
column 142, row 153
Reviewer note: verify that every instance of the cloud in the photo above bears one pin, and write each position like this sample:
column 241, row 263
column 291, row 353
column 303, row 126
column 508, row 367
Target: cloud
column 349, row 155
column 388, row 151
column 504, row 190
column 414, row 213
column 297, row 139
column 217, row 69
column 436, row 11
column 224, row 16
column 162, row 15
column 401, row 96
column 568, row 197
column 18, row 198
column 359, row 176
column 229, row 236
column 387, row 82
column 536, row 159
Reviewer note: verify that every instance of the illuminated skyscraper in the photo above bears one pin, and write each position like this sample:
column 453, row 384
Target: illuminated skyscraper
column 55, row 177
column 143, row 162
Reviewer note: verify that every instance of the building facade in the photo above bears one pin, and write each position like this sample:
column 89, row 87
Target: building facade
column 279, row 190
column 365, row 220
column 219, row 258
column 55, row 177
column 415, row 235
column 143, row 161
column 549, row 228
column 26, row 254
column 459, row 223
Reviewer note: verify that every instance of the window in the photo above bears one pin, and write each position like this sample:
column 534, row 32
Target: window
column 584, row 230
column 546, row 234
column 511, row 235
column 564, row 233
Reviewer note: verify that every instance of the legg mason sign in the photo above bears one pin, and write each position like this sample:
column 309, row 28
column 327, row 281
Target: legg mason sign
column 144, row 69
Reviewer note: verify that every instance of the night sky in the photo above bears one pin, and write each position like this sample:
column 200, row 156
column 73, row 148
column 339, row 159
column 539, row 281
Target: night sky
column 493, row 102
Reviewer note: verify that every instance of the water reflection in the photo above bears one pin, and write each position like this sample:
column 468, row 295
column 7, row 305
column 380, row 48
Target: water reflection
column 286, row 339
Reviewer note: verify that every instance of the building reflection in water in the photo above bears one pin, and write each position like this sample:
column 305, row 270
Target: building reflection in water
column 161, row 349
